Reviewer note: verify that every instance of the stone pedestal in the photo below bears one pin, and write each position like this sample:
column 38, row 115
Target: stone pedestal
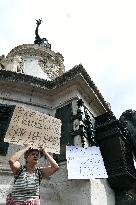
column 61, row 191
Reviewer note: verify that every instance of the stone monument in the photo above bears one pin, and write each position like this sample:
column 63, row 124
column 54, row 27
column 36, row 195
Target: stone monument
column 34, row 76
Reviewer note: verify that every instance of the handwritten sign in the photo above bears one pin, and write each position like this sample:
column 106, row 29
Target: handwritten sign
column 85, row 163
column 29, row 126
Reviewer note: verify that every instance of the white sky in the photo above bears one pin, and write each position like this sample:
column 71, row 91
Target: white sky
column 99, row 34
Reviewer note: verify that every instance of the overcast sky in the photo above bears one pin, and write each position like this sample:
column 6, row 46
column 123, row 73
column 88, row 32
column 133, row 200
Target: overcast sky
column 99, row 34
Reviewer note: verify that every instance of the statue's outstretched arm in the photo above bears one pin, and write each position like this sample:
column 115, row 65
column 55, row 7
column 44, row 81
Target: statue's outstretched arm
column 38, row 22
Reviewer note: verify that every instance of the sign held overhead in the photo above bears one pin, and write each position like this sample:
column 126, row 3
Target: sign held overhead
column 30, row 126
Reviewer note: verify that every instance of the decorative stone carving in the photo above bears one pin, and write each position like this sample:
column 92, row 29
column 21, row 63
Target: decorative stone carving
column 49, row 61
column 18, row 64
column 2, row 67
column 14, row 64
column 83, row 127
column 76, row 124
column 50, row 67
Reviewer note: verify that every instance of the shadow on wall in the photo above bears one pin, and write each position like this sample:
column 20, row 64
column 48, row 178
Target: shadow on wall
column 110, row 194
column 49, row 195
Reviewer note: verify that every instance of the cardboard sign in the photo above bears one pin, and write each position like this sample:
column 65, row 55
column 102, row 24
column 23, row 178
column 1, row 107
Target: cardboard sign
column 29, row 126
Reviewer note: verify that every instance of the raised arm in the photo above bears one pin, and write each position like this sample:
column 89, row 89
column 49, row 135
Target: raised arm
column 37, row 37
column 14, row 159
column 38, row 22
column 48, row 171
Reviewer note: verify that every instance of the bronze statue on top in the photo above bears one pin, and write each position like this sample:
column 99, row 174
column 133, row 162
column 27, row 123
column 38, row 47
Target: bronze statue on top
column 38, row 40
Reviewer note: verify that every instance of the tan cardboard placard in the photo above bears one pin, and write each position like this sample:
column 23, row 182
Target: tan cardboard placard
column 30, row 126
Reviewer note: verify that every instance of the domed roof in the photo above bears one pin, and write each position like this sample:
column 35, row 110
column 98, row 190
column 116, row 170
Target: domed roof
column 35, row 60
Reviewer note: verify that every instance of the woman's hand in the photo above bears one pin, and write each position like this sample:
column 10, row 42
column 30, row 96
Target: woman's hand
column 43, row 151
column 28, row 146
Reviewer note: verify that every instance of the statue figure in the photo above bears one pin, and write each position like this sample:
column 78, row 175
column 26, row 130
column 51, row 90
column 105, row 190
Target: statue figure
column 38, row 40
column 128, row 119
column 127, row 196
column 2, row 67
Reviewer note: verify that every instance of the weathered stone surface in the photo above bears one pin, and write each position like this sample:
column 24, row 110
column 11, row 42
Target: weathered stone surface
column 34, row 60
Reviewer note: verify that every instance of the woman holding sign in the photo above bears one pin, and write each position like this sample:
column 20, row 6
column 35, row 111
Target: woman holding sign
column 26, row 188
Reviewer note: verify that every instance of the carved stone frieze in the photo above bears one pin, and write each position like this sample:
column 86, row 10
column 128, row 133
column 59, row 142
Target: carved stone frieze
column 19, row 64
column 48, row 60
column 13, row 63
column 76, row 73
column 50, row 67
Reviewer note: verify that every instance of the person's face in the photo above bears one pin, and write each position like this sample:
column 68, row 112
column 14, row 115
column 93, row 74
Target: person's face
column 33, row 157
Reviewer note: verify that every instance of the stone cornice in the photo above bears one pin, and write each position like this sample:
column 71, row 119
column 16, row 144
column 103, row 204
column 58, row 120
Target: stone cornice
column 74, row 73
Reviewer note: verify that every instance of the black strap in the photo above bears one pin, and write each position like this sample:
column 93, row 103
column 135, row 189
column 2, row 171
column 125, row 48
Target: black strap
column 17, row 176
